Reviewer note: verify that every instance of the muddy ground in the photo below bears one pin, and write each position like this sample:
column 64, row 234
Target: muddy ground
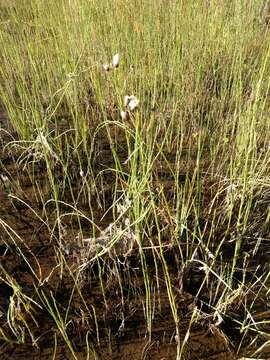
column 119, row 310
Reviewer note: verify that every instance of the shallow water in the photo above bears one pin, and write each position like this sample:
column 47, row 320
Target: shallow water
column 117, row 338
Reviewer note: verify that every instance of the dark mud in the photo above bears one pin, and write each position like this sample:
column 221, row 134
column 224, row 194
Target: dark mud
column 111, row 317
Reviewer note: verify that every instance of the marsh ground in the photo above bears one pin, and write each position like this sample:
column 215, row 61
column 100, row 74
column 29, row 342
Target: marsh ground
column 134, row 231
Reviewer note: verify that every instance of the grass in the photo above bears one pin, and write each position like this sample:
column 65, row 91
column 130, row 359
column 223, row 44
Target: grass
column 187, row 171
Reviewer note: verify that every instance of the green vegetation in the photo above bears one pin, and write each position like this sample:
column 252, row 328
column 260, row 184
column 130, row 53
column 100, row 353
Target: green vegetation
column 186, row 172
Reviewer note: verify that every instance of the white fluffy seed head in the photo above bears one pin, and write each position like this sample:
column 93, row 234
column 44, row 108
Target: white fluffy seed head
column 106, row 67
column 126, row 100
column 131, row 102
column 116, row 60
column 124, row 115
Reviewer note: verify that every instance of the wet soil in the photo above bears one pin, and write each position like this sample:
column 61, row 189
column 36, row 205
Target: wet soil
column 112, row 316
